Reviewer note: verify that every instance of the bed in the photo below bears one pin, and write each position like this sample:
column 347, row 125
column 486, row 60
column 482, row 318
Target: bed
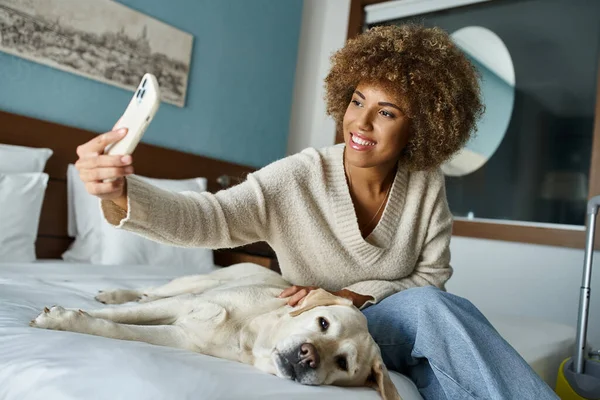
column 37, row 363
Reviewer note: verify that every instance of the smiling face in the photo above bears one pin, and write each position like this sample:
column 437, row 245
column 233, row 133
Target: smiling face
column 327, row 345
column 376, row 130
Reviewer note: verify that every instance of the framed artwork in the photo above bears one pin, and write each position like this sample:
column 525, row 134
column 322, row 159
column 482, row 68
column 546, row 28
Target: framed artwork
column 99, row 39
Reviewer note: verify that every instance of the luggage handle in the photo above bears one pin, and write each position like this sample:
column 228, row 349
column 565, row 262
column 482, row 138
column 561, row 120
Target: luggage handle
column 584, row 296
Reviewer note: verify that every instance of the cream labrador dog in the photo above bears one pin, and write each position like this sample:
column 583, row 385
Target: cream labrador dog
column 234, row 313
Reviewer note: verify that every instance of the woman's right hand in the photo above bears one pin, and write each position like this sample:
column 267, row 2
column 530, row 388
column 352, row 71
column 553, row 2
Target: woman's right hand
column 102, row 174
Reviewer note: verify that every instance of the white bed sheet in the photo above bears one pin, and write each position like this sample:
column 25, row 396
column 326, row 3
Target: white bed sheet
column 43, row 364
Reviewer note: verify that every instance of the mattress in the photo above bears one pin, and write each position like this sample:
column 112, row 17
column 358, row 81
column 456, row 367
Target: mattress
column 43, row 364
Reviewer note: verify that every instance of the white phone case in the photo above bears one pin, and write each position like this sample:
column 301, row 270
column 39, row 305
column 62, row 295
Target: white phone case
column 137, row 116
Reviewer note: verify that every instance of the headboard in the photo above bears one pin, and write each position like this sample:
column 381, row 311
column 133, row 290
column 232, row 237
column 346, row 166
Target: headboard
column 52, row 238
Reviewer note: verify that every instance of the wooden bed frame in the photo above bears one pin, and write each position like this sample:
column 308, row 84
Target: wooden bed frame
column 149, row 160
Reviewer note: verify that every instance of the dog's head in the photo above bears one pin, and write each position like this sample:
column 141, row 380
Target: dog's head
column 326, row 342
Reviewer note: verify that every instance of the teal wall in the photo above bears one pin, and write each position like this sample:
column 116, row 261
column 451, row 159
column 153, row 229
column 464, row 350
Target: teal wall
column 239, row 94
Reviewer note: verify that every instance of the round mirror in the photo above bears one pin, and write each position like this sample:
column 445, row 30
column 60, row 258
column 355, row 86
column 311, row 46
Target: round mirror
column 491, row 57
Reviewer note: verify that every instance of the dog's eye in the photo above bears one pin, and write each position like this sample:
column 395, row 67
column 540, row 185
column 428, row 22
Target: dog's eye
column 323, row 323
column 342, row 363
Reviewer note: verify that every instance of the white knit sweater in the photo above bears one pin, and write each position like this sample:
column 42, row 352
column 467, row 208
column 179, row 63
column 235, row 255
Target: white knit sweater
column 301, row 207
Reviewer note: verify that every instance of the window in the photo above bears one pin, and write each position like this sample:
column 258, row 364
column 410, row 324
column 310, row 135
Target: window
column 541, row 163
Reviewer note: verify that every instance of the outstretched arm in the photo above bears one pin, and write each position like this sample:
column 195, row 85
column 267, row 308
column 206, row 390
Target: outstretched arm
column 243, row 214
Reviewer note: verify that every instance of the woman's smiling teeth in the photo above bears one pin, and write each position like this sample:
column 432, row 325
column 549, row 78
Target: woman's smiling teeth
column 360, row 141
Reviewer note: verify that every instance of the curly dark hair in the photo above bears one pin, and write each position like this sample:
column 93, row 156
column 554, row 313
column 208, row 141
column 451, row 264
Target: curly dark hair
column 439, row 86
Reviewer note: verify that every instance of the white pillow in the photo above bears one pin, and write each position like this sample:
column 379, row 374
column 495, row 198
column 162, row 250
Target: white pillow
column 97, row 242
column 21, row 198
column 22, row 159
column 121, row 247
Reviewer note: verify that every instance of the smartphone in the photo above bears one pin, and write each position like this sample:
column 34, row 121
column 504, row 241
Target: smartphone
column 138, row 115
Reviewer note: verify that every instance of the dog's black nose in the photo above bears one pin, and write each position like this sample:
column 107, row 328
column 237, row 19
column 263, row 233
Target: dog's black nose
column 309, row 356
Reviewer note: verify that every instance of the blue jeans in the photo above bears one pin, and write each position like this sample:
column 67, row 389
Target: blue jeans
column 449, row 349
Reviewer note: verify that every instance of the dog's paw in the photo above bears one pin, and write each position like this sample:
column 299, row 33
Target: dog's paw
column 119, row 296
column 145, row 298
column 56, row 318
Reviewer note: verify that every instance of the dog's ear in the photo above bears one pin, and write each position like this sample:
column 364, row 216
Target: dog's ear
column 380, row 380
column 319, row 297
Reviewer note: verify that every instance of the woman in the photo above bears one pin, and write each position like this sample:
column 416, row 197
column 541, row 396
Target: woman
column 367, row 220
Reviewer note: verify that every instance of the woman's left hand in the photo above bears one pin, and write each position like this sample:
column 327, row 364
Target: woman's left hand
column 296, row 293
